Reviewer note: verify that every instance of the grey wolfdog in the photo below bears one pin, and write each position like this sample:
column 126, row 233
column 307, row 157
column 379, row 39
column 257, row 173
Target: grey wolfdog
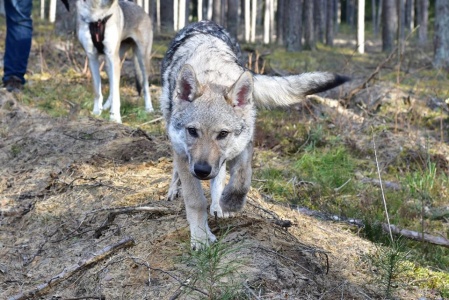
column 209, row 103
column 110, row 28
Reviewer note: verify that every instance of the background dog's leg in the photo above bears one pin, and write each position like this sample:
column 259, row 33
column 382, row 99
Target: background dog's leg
column 196, row 205
column 142, row 77
column 94, row 66
column 216, row 189
column 113, row 70
column 234, row 194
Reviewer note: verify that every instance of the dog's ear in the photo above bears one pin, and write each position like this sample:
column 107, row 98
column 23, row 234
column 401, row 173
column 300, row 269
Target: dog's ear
column 187, row 86
column 240, row 94
column 66, row 4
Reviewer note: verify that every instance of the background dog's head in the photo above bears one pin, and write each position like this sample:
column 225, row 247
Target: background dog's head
column 211, row 123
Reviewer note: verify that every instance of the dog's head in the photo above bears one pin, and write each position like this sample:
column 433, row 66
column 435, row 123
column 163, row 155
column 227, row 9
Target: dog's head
column 210, row 123
column 93, row 10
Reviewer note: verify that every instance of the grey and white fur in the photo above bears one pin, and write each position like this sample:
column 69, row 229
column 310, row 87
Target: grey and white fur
column 209, row 102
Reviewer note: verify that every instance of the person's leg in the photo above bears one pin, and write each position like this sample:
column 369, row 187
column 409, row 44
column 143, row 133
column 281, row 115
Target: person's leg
column 19, row 32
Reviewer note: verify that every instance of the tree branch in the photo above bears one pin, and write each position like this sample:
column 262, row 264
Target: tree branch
column 42, row 288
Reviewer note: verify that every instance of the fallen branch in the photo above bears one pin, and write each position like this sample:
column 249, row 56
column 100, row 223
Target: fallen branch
column 362, row 86
column 42, row 288
column 418, row 236
column 135, row 209
column 115, row 211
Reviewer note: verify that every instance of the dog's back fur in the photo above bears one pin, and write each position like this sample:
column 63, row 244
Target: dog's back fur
column 209, row 102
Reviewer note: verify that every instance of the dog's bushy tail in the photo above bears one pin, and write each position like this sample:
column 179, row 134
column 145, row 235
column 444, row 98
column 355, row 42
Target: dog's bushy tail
column 272, row 91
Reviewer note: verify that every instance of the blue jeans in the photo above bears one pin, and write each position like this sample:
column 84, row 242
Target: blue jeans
column 19, row 33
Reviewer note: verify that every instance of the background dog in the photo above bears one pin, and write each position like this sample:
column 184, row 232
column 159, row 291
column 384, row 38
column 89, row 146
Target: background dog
column 110, row 28
column 209, row 103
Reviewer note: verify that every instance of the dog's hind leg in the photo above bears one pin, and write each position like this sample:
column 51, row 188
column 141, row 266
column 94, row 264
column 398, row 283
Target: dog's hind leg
column 234, row 194
column 94, row 66
column 196, row 205
column 141, row 66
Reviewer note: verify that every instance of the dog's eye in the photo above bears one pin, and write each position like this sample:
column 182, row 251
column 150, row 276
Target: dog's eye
column 192, row 131
column 222, row 135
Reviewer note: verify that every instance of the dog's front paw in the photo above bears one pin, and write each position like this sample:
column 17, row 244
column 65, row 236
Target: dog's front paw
column 173, row 192
column 201, row 240
column 115, row 118
column 149, row 109
column 216, row 211
column 96, row 111
column 232, row 200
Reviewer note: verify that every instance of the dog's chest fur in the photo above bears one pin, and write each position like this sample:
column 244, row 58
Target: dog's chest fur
column 97, row 30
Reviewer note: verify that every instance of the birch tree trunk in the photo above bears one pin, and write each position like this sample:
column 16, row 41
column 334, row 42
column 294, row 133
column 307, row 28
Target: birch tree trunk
column 182, row 14
column 52, row 14
column 266, row 22
column 361, row 26
column 253, row 21
column 247, row 20
column 199, row 10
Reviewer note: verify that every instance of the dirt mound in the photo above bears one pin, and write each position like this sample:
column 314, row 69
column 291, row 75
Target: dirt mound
column 83, row 215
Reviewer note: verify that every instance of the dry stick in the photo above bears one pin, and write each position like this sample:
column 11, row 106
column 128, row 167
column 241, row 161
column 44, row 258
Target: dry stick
column 374, row 73
column 382, row 189
column 414, row 235
column 68, row 272
column 378, row 68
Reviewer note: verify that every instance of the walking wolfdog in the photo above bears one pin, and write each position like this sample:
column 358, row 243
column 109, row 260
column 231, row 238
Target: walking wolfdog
column 209, row 103
column 110, row 28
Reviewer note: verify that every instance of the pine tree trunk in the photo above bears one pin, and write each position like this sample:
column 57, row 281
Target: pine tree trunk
column 389, row 24
column 294, row 28
column 280, row 22
column 309, row 38
column 167, row 15
column 441, row 39
column 409, row 15
column 233, row 17
column 401, row 20
column 320, row 19
column 330, row 23
column 422, row 16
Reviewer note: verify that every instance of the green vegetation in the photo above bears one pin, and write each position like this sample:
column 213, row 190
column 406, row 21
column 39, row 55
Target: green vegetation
column 214, row 273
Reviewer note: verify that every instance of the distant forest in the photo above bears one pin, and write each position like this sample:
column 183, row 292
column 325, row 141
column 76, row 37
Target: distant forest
column 301, row 24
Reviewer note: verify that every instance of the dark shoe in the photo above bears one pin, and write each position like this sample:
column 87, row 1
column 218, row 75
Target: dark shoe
column 13, row 84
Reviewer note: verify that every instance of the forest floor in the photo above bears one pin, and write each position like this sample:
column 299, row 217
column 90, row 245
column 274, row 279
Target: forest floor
column 82, row 200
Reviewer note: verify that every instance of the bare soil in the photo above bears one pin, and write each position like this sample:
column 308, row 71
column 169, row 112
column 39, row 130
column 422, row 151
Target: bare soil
column 60, row 180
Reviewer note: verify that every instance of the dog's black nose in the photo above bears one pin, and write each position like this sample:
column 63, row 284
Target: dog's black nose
column 202, row 170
